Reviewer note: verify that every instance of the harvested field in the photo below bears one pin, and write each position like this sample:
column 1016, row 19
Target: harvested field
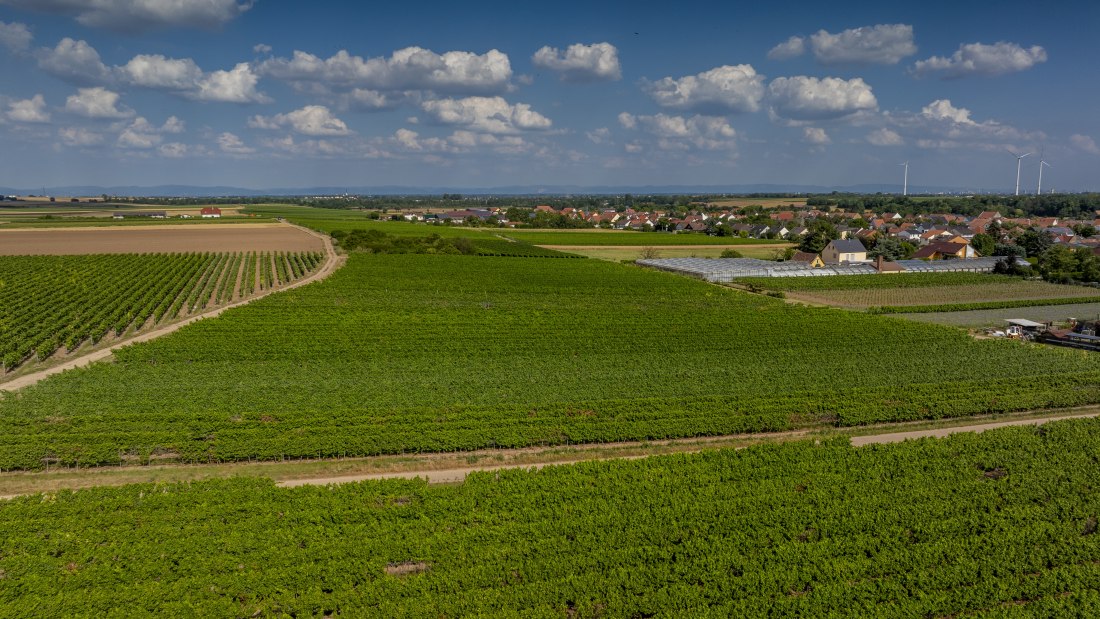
column 936, row 295
column 765, row 202
column 157, row 239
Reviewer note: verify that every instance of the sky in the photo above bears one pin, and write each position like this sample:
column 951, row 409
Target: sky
column 274, row 93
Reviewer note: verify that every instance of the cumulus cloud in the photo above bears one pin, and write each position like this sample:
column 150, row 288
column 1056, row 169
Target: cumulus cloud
column 79, row 136
column 96, row 102
column 885, row 137
column 810, row 98
column 174, row 150
column 156, row 71
column 791, row 48
column 237, row 85
column 15, row 36
column 371, row 100
column 74, row 61
column 977, row 59
column 815, row 136
column 1084, row 143
column 581, row 63
column 411, row 68
column 881, row 44
column 142, row 134
column 313, row 120
column 31, row 110
column 941, row 124
column 682, row 133
column 230, row 143
column 262, row 48
column 140, row 15
column 485, row 114
column 725, row 89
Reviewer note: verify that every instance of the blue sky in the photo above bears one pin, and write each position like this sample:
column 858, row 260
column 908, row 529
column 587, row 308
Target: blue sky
column 275, row 93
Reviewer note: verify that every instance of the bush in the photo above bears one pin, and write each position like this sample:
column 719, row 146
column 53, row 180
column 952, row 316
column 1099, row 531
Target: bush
column 731, row 253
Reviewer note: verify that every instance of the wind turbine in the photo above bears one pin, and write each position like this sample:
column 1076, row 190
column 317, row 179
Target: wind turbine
column 905, row 183
column 1018, row 160
column 1042, row 162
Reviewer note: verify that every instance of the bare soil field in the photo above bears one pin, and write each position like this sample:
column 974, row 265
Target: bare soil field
column 157, row 239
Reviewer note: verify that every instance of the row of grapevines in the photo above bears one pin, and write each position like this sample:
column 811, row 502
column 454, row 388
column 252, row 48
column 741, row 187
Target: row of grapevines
column 998, row 524
column 49, row 303
column 407, row 353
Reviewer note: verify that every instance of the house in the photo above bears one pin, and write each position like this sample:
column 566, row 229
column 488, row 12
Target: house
column 844, row 250
column 809, row 259
column 210, row 212
column 945, row 250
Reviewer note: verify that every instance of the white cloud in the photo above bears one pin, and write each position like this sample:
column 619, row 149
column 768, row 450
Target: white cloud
column 885, row 137
column 791, row 48
column 156, row 71
column 881, row 44
column 486, row 114
column 74, row 61
column 15, row 36
column 941, row 124
column 815, row 136
column 261, row 48
column 314, row 120
column 31, row 110
column 371, row 100
column 78, row 136
column 581, row 63
column 142, row 134
column 140, row 15
column 980, row 59
column 237, row 85
column 96, row 102
column 230, row 143
column 810, row 98
column 682, row 133
column 599, row 136
column 133, row 138
column 942, row 109
column 411, row 68
column 1084, row 143
column 173, row 125
column 174, row 150
column 736, row 88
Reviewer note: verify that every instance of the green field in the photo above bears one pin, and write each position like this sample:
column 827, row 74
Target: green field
column 417, row 353
column 328, row 220
column 868, row 282
column 49, row 303
column 999, row 524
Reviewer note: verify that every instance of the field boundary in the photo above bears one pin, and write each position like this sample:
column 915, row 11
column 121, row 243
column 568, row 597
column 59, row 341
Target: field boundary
column 454, row 467
column 332, row 262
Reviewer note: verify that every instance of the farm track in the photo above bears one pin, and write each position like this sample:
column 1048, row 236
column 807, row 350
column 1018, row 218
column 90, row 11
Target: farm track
column 449, row 468
column 332, row 262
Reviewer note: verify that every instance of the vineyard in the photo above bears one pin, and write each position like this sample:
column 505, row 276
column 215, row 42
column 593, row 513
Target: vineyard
column 422, row 353
column 51, row 304
column 999, row 524
column 868, row 282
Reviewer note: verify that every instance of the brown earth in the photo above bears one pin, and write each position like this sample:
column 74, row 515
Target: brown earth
column 157, row 239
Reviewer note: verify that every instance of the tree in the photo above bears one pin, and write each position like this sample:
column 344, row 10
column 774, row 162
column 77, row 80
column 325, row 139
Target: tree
column 891, row 249
column 1059, row 264
column 984, row 244
column 1035, row 242
column 819, row 233
column 1009, row 249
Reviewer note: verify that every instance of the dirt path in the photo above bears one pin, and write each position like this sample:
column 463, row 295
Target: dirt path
column 458, row 475
column 332, row 262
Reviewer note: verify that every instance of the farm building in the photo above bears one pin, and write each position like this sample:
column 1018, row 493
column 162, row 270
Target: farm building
column 210, row 212
column 807, row 258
